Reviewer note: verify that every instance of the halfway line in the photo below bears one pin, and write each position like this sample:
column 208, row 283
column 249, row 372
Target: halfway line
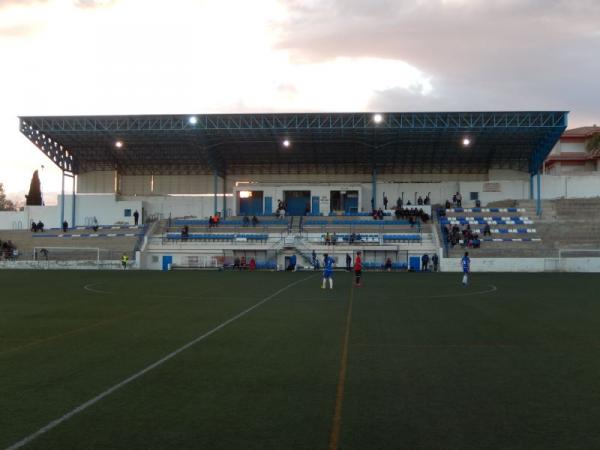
column 152, row 366
column 336, row 426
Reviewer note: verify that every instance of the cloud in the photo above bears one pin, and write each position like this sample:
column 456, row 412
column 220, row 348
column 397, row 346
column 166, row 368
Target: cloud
column 93, row 4
column 18, row 31
column 21, row 3
column 506, row 54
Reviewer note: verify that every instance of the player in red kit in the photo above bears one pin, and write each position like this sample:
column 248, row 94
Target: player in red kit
column 357, row 268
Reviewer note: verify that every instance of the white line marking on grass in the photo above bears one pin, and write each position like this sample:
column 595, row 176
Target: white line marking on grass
column 147, row 369
column 88, row 287
column 488, row 291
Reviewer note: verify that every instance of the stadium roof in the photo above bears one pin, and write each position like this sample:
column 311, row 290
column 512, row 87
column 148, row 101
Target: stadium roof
column 318, row 142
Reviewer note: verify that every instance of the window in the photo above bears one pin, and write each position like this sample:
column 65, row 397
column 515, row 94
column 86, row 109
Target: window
column 127, row 213
column 474, row 195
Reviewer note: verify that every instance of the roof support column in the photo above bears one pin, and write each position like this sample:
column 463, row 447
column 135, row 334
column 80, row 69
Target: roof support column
column 224, row 196
column 73, row 204
column 539, row 193
column 374, row 189
column 531, row 191
column 216, row 190
column 62, row 199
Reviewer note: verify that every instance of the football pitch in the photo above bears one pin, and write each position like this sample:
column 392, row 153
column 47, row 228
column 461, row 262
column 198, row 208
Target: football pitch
column 225, row 360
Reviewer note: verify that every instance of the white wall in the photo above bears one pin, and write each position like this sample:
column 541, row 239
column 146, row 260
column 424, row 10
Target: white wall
column 523, row 265
column 96, row 182
column 104, row 207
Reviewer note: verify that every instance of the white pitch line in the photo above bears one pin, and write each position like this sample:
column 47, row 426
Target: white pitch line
column 88, row 287
column 147, row 369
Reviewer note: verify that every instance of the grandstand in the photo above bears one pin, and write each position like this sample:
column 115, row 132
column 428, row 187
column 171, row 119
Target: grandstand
column 330, row 170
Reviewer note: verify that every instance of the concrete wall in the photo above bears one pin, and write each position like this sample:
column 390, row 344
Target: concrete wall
column 97, row 182
column 520, row 265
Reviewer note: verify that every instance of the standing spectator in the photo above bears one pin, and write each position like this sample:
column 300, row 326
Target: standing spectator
column 254, row 220
column 65, row 226
column 95, row 224
column 435, row 260
column 425, row 262
column 136, row 217
column 420, row 201
column 252, row 265
column 458, row 200
column 399, row 203
column 388, row 264
column 348, row 262
column 357, row 269
column 124, row 260
column 385, row 201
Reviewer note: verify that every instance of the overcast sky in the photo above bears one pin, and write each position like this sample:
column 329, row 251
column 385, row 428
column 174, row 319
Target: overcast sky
column 205, row 56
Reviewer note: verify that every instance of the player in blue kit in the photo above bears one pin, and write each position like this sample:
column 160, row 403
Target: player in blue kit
column 466, row 267
column 327, row 271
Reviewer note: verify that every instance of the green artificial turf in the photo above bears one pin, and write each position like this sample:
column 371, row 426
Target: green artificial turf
column 511, row 362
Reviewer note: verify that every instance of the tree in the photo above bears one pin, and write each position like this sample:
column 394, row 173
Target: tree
column 593, row 145
column 34, row 198
column 5, row 204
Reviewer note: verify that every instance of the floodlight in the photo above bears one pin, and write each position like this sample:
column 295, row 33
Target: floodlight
column 193, row 120
column 119, row 144
column 377, row 118
column 466, row 142
column 286, row 143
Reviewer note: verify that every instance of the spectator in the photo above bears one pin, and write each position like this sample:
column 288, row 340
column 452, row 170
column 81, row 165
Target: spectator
column 427, row 200
column 243, row 262
column 254, row 220
column 388, row 265
column 95, row 224
column 486, row 230
column 435, row 260
column 211, row 222
column 385, row 201
column 136, row 217
column 185, row 232
column 454, row 200
column 447, row 205
column 380, row 214
column 334, row 239
column 420, row 201
column 252, row 265
column 348, row 262
column 246, row 220
column 237, row 263
column 40, row 226
column 352, row 238
column 34, row 226
column 477, row 203
column 399, row 203
column 458, row 200
column 327, row 239
column 65, row 226
column 425, row 262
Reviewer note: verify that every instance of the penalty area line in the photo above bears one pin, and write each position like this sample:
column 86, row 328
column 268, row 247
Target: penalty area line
column 53, row 424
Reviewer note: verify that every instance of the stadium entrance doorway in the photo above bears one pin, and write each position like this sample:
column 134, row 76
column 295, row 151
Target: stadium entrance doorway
column 346, row 201
column 296, row 202
column 250, row 203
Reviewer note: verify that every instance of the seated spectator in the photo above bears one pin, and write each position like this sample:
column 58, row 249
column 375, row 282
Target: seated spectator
column 486, row 230
column 254, row 220
column 40, row 226
column 95, row 224
column 65, row 226
column 216, row 219
column 246, row 221
column 34, row 227
column 398, row 213
column 454, row 200
column 211, row 222
column 374, row 214
column 447, row 205
column 388, row 264
column 477, row 203
column 427, row 200
column 420, row 201
column 380, row 214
